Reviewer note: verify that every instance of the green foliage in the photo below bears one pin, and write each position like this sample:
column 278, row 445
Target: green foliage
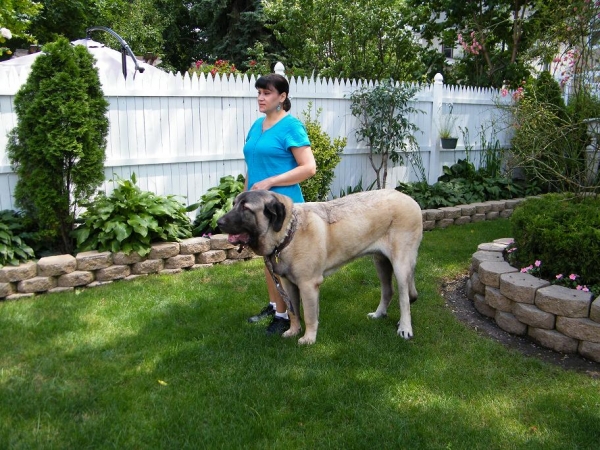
column 462, row 184
column 57, row 148
column 13, row 248
column 327, row 156
column 550, row 140
column 353, row 190
column 130, row 220
column 563, row 232
column 384, row 124
column 215, row 204
column 220, row 66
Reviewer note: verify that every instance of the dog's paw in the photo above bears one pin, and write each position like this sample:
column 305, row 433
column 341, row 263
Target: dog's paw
column 291, row 332
column 406, row 333
column 307, row 340
column 376, row 315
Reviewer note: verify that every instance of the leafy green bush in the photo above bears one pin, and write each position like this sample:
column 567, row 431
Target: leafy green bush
column 215, row 204
column 327, row 156
column 462, row 184
column 563, row 232
column 13, row 248
column 130, row 220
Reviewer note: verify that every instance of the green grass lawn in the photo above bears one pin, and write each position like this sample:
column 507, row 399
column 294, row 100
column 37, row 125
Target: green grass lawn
column 169, row 362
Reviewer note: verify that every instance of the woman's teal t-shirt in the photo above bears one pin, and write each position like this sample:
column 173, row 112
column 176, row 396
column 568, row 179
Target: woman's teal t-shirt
column 268, row 153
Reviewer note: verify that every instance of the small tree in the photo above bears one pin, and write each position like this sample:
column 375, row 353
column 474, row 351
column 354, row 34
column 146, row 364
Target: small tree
column 383, row 113
column 58, row 147
column 327, row 156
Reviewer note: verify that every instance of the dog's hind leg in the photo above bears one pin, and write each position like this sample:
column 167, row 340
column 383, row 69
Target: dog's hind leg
column 384, row 272
column 405, row 278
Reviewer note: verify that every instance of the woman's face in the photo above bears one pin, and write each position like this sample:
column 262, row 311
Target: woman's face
column 269, row 99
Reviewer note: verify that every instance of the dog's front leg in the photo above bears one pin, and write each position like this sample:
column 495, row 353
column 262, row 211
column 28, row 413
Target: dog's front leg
column 310, row 303
column 292, row 291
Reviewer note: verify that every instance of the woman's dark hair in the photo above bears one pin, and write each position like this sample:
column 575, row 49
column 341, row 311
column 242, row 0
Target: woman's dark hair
column 278, row 83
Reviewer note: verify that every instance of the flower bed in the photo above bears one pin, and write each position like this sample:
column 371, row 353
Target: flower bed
column 556, row 317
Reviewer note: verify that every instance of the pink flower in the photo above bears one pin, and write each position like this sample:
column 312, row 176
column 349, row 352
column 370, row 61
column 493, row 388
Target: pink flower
column 559, row 276
column 538, row 263
column 573, row 277
column 582, row 288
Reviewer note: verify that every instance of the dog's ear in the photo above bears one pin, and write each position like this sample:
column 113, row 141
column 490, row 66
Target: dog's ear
column 275, row 211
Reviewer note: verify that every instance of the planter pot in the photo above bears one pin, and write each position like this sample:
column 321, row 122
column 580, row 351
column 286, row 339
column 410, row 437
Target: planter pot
column 449, row 143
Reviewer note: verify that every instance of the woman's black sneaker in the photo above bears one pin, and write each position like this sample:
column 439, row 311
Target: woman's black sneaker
column 267, row 311
column 278, row 325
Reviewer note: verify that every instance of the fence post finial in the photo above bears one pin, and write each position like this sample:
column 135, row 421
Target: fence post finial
column 279, row 68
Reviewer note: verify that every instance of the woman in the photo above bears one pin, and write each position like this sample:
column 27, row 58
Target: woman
column 278, row 157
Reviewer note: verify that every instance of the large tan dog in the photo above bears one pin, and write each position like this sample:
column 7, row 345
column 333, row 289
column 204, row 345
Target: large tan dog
column 306, row 241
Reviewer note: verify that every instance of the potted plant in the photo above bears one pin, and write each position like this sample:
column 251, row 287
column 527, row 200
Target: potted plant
column 446, row 130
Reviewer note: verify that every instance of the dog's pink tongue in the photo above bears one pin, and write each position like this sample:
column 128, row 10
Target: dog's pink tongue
column 234, row 238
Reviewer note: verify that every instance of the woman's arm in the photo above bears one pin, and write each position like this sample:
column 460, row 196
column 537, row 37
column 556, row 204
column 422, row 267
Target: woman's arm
column 307, row 167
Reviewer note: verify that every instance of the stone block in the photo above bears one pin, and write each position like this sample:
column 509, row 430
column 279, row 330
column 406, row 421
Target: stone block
column 6, row 289
column 123, row 259
column 462, row 220
column 116, row 272
column 12, row 274
column 492, row 247
column 553, row 339
column 589, row 350
column 220, row 242
column 451, row 212
column 194, row 245
column 180, row 262
column 478, row 218
column 233, row 253
column 513, row 202
column 595, row 310
column 508, row 322
column 58, row 290
column 434, row 214
column 211, row 257
column 506, row 213
column 476, row 284
column 497, row 205
column 504, row 241
column 533, row 316
column 496, row 300
column 94, row 284
column 444, row 223
column 170, row 271
column 428, row 225
column 482, row 208
column 36, row 284
column 93, row 260
column 583, row 329
column 492, row 215
column 77, row 278
column 489, row 272
column 485, row 255
column 19, row 296
column 482, row 307
column 200, row 266
column 163, row 250
column 467, row 210
column 147, row 266
column 54, row 266
column 563, row 301
column 521, row 287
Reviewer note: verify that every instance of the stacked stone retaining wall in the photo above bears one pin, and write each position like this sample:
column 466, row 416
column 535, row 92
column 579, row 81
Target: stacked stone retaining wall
column 562, row 319
column 89, row 269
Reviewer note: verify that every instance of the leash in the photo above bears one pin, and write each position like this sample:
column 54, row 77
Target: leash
column 275, row 255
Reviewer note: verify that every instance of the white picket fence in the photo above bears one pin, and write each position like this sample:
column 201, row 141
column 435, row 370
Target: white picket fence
column 181, row 134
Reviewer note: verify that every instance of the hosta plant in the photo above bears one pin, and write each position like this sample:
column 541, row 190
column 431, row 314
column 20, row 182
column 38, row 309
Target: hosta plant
column 13, row 248
column 131, row 220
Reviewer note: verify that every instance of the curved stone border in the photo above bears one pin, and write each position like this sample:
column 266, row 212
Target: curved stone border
column 562, row 319
column 88, row 269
